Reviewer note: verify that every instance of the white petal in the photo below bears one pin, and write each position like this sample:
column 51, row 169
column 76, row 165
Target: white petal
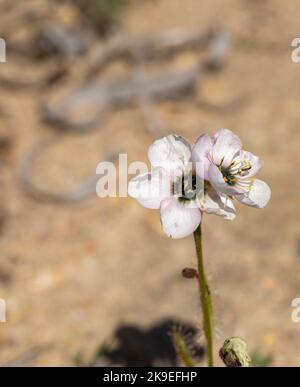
column 201, row 155
column 171, row 152
column 218, row 204
column 258, row 196
column 254, row 162
column 149, row 189
column 226, row 146
column 216, row 179
column 228, row 209
column 178, row 220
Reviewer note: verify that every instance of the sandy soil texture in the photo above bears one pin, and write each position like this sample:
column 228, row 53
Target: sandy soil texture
column 72, row 275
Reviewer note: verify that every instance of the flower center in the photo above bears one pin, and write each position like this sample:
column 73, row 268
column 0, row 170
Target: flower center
column 187, row 187
column 236, row 173
column 228, row 177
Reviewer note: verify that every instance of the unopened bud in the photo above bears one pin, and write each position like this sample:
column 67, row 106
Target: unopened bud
column 234, row 353
column 189, row 272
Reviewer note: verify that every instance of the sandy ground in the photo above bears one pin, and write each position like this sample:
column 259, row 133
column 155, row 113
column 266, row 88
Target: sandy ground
column 71, row 275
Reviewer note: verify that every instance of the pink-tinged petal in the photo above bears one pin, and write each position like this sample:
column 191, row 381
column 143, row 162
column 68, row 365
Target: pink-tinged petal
column 253, row 160
column 217, row 181
column 201, row 152
column 178, row 220
column 226, row 146
column 258, row 196
column 228, row 209
column 150, row 189
column 172, row 152
column 215, row 203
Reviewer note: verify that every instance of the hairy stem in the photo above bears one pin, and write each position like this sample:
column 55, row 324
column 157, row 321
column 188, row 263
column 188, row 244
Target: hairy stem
column 182, row 350
column 205, row 298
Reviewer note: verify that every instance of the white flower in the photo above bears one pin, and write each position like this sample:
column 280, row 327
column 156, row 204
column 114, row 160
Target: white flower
column 174, row 187
column 229, row 169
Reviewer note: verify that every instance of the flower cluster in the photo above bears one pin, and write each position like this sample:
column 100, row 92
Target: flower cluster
column 186, row 181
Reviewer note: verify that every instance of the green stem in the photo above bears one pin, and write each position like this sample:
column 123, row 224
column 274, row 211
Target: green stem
column 182, row 350
column 205, row 298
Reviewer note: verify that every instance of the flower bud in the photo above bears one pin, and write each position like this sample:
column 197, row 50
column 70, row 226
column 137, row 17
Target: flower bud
column 189, row 272
column 234, row 353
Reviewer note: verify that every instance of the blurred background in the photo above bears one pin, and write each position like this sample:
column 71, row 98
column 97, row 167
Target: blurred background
column 95, row 281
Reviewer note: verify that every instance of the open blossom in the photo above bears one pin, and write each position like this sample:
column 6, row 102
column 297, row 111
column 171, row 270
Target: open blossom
column 229, row 169
column 174, row 187
column 185, row 181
